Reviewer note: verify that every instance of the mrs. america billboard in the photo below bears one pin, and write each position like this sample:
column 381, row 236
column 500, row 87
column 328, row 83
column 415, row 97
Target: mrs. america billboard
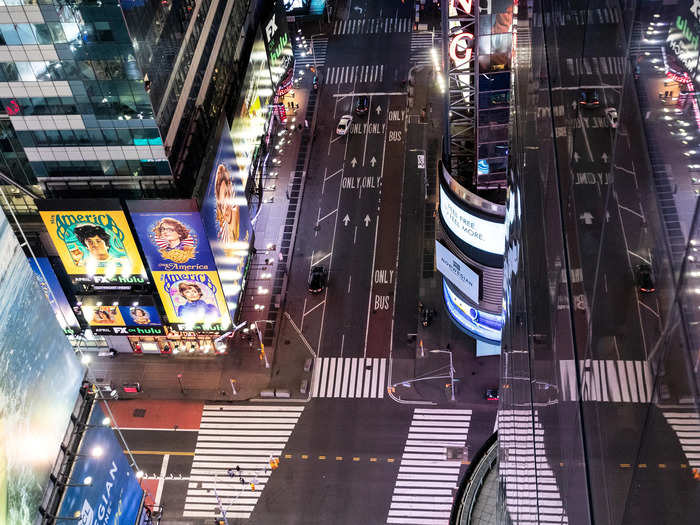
column 93, row 239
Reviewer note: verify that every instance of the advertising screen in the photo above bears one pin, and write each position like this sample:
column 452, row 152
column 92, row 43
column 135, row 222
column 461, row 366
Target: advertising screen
column 459, row 274
column 53, row 292
column 482, row 234
column 277, row 43
column 172, row 235
column 683, row 38
column 474, row 321
column 92, row 238
column 193, row 297
column 39, row 381
column 110, row 315
column 103, row 489
column 226, row 219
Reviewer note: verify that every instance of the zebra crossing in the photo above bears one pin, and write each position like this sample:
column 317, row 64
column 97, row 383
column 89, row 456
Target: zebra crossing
column 421, row 44
column 349, row 377
column 426, row 478
column 578, row 17
column 302, row 57
column 596, row 66
column 617, row 381
column 532, row 494
column 686, row 425
column 361, row 26
column 350, row 74
column 236, row 435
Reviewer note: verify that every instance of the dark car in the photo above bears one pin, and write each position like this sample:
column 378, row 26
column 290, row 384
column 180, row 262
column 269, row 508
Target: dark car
column 362, row 106
column 491, row 394
column 588, row 98
column 318, row 276
column 645, row 279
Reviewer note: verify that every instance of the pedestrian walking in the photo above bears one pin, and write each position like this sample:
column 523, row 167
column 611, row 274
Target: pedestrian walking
column 306, row 123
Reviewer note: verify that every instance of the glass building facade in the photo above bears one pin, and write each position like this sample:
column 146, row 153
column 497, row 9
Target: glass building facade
column 598, row 417
column 104, row 96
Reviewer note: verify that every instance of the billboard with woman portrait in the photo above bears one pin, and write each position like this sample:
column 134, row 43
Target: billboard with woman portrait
column 92, row 237
column 226, row 219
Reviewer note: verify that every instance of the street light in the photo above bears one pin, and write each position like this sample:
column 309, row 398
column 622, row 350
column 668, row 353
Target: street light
column 452, row 370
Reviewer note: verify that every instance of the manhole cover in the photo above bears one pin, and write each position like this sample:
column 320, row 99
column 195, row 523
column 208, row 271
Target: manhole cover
column 139, row 412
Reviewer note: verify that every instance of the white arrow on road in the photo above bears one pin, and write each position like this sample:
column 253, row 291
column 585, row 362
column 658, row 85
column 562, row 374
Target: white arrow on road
column 372, row 161
column 379, row 109
column 573, row 105
column 604, row 157
column 346, row 219
column 353, row 162
column 576, row 156
column 367, row 220
column 586, row 217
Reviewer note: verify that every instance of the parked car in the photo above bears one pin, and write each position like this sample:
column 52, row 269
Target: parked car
column 344, row 125
column 362, row 106
column 318, row 278
column 611, row 116
column 645, row 278
column 588, row 98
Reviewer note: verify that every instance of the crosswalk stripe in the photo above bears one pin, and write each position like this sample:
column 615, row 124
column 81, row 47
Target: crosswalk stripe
column 615, row 381
column 236, row 435
column 424, row 483
column 349, row 377
column 686, row 425
column 372, row 26
column 531, row 491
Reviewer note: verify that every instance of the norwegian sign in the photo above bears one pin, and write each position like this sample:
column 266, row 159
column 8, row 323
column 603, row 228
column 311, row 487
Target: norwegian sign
column 457, row 272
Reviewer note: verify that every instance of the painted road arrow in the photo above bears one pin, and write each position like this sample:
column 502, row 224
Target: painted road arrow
column 586, row 217
column 353, row 162
column 372, row 161
column 379, row 109
column 604, row 157
column 367, row 220
column 576, row 156
column 346, row 219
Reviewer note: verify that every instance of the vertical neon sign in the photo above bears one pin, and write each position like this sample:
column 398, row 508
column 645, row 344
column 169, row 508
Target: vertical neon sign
column 462, row 42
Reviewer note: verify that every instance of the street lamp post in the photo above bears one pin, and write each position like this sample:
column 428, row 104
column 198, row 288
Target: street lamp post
column 452, row 370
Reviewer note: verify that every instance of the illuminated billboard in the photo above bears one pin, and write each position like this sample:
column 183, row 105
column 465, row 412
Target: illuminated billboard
column 103, row 489
column 226, row 219
column 121, row 315
column 92, row 238
column 53, row 292
column 172, row 235
column 458, row 272
column 39, row 381
column 277, row 43
column 177, row 250
column 192, row 298
column 488, row 236
column 475, row 322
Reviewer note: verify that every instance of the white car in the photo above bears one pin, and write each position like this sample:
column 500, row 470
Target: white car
column 344, row 125
column 611, row 115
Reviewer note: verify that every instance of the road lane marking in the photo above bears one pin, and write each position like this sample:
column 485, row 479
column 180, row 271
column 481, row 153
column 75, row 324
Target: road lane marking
column 163, row 472
column 321, row 259
column 343, row 377
column 158, row 452
column 319, row 304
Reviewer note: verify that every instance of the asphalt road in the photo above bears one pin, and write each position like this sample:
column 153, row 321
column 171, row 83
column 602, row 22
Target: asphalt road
column 351, row 211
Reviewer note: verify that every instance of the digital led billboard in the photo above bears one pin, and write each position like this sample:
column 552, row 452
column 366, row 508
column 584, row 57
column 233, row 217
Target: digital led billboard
column 485, row 235
column 177, row 250
column 117, row 314
column 53, row 292
column 104, row 489
column 39, row 381
column 92, row 238
column 226, row 220
column 475, row 322
column 458, row 272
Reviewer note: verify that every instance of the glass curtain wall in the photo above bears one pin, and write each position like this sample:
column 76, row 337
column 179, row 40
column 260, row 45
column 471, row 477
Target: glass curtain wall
column 597, row 421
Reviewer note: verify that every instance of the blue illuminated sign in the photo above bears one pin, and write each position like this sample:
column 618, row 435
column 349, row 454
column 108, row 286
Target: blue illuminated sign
column 483, row 167
column 103, row 489
column 477, row 323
